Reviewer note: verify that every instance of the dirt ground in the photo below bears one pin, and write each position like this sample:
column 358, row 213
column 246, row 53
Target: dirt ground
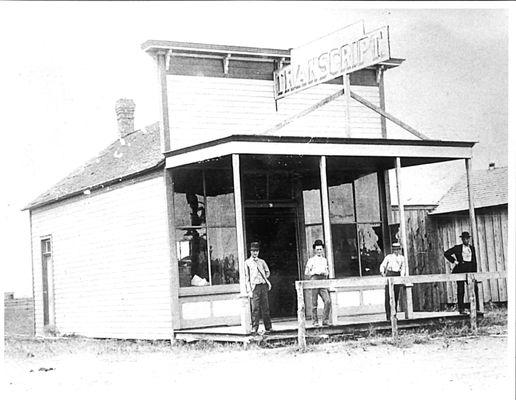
column 420, row 365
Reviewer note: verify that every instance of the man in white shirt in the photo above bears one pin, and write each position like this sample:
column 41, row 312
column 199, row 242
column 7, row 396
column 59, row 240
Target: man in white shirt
column 258, row 286
column 393, row 265
column 464, row 260
column 316, row 269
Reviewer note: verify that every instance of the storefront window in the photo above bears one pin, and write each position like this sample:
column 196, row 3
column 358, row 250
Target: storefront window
column 205, row 225
column 312, row 212
column 341, row 203
column 355, row 220
column 371, row 255
column 367, row 198
column 312, row 206
column 345, row 252
column 268, row 186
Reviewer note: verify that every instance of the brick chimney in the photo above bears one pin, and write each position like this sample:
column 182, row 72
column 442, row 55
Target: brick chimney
column 124, row 109
column 491, row 165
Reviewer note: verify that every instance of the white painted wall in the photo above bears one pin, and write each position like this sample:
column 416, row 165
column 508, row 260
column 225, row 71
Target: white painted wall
column 111, row 266
column 207, row 108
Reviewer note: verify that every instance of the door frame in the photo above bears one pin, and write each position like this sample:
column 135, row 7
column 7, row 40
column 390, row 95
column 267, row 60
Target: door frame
column 47, row 279
column 293, row 207
column 293, row 210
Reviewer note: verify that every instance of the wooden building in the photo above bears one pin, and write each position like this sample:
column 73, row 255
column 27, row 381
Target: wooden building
column 491, row 209
column 150, row 236
column 432, row 229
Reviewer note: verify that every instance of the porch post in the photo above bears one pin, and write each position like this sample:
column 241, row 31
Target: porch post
column 408, row 289
column 173, row 269
column 473, row 222
column 327, row 234
column 245, row 312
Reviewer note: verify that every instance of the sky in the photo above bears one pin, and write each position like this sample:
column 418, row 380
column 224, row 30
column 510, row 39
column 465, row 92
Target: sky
column 65, row 64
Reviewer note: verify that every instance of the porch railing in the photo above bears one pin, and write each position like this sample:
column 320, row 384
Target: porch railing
column 350, row 284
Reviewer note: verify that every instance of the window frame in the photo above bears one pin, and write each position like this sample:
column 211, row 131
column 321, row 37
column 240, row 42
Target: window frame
column 211, row 288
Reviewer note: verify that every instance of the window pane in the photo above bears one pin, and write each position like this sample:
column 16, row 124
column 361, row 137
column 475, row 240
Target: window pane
column 313, row 233
column 255, row 186
column 280, row 186
column 345, row 253
column 341, row 203
column 191, row 247
column 189, row 207
column 367, row 198
column 220, row 207
column 312, row 206
column 223, row 255
column 371, row 254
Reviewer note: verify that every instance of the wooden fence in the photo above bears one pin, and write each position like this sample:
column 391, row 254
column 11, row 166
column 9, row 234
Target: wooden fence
column 18, row 316
column 408, row 281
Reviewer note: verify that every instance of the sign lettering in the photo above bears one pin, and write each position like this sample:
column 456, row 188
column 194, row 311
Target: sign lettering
column 325, row 64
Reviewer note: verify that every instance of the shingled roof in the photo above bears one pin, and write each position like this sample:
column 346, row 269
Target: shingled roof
column 130, row 156
column 489, row 189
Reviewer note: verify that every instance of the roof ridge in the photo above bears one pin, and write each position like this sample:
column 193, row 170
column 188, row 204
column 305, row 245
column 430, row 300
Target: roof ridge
column 138, row 153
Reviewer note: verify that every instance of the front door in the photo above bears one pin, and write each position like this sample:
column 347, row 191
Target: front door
column 275, row 230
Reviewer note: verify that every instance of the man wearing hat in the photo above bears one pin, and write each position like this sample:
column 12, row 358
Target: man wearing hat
column 258, row 286
column 316, row 269
column 464, row 260
column 393, row 265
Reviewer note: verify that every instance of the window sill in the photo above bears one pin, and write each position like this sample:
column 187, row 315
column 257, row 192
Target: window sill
column 207, row 290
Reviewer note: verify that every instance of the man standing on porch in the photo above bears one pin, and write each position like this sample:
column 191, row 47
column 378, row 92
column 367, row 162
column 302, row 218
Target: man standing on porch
column 393, row 265
column 317, row 268
column 464, row 260
column 258, row 286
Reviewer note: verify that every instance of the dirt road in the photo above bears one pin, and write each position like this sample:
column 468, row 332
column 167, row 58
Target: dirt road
column 472, row 368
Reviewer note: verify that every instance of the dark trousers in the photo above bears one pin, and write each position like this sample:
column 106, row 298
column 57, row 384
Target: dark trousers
column 260, row 302
column 397, row 289
column 463, row 268
column 325, row 296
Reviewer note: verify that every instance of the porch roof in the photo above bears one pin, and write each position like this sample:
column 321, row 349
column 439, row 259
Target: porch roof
column 412, row 152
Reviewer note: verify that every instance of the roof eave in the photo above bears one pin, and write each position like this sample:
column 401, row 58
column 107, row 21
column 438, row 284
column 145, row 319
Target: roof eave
column 155, row 46
column 152, row 46
column 313, row 140
column 32, row 206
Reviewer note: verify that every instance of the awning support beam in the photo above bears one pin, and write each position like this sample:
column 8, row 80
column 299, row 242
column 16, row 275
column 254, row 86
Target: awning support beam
column 301, row 114
column 390, row 117
column 354, row 96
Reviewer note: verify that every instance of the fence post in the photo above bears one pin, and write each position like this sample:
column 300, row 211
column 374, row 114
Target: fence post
column 392, row 302
column 409, row 307
column 301, row 321
column 471, row 281
column 480, row 286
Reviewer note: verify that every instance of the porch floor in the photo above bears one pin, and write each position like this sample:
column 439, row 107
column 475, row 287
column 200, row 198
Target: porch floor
column 286, row 329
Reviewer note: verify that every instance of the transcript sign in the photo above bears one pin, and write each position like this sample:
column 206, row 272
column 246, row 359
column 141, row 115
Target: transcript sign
column 331, row 59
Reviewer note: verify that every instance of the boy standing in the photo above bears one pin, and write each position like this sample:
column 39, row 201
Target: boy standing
column 393, row 265
column 316, row 269
column 258, row 286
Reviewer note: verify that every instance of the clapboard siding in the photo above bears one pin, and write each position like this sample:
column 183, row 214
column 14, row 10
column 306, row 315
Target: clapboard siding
column 207, row 108
column 111, row 266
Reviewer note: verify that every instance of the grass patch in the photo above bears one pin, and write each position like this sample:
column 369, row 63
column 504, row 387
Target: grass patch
column 493, row 323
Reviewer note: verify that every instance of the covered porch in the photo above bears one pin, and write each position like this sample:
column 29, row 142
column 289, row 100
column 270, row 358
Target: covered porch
column 284, row 192
column 286, row 330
